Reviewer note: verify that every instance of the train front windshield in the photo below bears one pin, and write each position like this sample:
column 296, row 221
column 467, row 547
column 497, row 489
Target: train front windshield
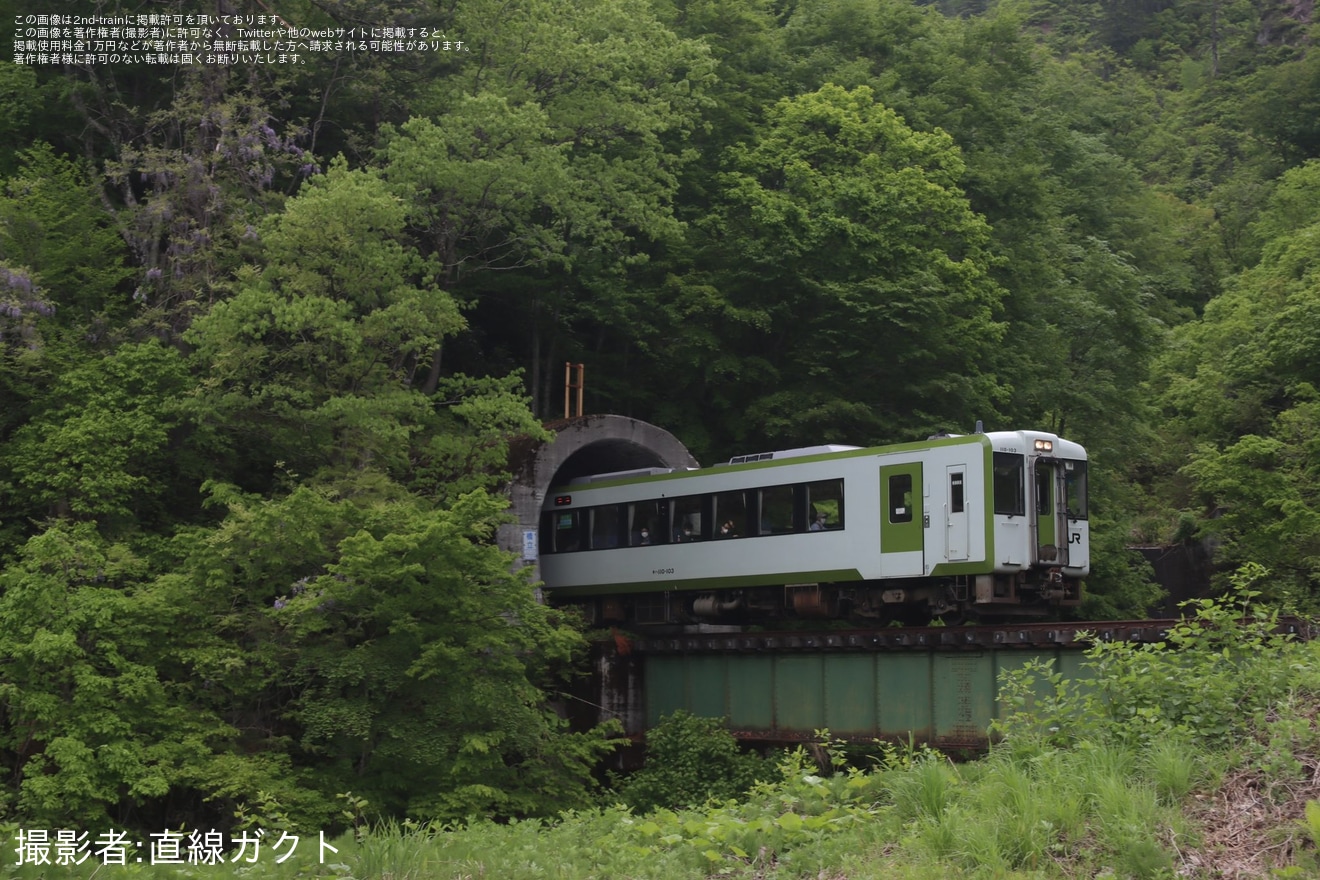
column 1074, row 481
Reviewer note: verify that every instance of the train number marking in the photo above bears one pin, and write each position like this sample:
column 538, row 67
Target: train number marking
column 662, row 571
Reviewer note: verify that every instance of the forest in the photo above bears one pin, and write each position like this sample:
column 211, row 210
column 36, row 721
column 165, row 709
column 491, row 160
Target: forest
column 267, row 331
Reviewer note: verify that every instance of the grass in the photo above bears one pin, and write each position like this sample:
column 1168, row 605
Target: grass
column 1022, row 813
column 1134, row 785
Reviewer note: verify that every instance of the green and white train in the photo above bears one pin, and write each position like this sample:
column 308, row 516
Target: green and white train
column 987, row 524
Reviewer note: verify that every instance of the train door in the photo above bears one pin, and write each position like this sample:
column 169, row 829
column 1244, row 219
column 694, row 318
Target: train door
column 955, row 513
column 902, row 520
column 1051, row 526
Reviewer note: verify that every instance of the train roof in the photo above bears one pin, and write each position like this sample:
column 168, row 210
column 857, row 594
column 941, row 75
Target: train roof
column 997, row 440
column 823, row 449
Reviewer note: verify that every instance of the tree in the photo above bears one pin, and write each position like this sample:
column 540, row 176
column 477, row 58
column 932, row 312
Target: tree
column 1239, row 391
column 93, row 727
column 323, row 343
column 881, row 323
column 52, row 222
column 98, row 446
column 555, row 152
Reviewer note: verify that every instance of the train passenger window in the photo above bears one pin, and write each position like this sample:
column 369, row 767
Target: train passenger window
column 900, row 498
column 648, row 523
column 562, row 531
column 957, row 503
column 731, row 514
column 776, row 514
column 1074, row 481
column 1009, row 488
column 605, row 527
column 546, row 541
column 825, row 500
column 687, row 518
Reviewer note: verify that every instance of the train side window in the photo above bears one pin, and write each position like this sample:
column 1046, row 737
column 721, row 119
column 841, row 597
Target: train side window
column 731, row 514
column 687, row 518
column 957, row 503
column 563, row 531
column 605, row 527
column 546, row 541
column 776, row 514
column 648, row 523
column 1009, row 491
column 900, row 498
column 825, row 500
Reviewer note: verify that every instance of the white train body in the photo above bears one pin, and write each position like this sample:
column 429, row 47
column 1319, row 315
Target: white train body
column 983, row 523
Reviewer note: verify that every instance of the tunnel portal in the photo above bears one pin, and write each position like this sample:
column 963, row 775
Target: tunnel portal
column 582, row 446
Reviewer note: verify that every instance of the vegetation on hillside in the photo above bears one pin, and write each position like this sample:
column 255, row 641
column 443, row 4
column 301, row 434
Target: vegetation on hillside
column 266, row 334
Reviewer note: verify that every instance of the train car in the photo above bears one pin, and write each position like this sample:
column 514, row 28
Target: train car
column 990, row 525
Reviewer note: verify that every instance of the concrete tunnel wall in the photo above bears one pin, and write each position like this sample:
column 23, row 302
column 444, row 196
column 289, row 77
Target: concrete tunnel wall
column 594, row 444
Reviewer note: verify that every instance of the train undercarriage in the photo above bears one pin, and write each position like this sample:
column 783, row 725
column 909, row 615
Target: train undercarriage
column 983, row 598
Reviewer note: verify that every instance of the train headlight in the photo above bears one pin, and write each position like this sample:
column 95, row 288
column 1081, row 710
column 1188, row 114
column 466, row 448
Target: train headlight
column 1044, row 445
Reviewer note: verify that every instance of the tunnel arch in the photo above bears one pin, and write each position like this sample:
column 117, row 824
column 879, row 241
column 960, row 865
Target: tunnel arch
column 594, row 444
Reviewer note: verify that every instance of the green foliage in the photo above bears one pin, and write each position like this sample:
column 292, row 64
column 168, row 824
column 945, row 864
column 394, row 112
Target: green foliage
column 400, row 678
column 689, row 760
column 1083, row 812
column 1287, row 106
column 95, row 445
column 324, row 344
column 1121, row 584
column 1217, row 674
column 883, row 315
column 92, row 725
column 52, row 222
column 1239, row 387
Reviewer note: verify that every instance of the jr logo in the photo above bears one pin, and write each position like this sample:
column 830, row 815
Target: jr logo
column 1075, row 538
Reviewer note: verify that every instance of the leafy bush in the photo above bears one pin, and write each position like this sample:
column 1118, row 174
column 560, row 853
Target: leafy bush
column 1216, row 676
column 689, row 760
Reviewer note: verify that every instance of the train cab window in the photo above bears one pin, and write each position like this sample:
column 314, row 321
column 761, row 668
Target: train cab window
column 731, row 515
column 825, row 505
column 648, row 523
column 957, row 500
column 687, row 518
column 1009, row 487
column 559, row 532
column 605, row 527
column 776, row 513
column 900, row 498
column 1074, row 482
